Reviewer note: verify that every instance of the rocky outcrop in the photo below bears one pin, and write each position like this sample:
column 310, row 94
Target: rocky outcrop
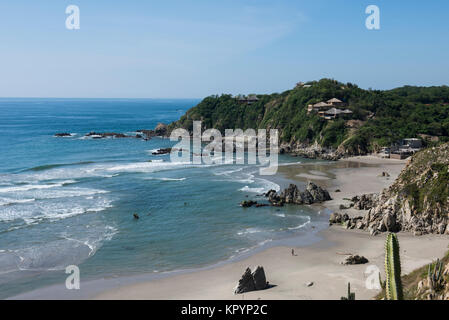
column 417, row 202
column 246, row 283
column 292, row 195
column 161, row 130
column 346, row 221
column 260, row 281
column 252, row 281
column 364, row 202
column 63, row 134
column 314, row 151
column 102, row 135
column 248, row 204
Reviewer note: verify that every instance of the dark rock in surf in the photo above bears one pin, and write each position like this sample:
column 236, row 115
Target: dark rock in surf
column 248, row 204
column 162, row 151
column 63, row 134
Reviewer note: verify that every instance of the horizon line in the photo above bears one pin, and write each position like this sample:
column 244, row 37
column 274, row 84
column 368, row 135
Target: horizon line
column 103, row 98
column 200, row 98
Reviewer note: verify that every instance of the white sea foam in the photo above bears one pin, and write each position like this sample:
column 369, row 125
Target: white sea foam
column 253, row 190
column 301, row 225
column 281, row 215
column 57, row 254
column 167, row 179
column 8, row 201
column 227, row 172
column 250, row 231
column 289, row 164
column 269, row 185
column 35, row 186
column 53, row 209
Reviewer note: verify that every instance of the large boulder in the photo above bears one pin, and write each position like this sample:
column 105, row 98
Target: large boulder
column 292, row 195
column 389, row 220
column 252, row 281
column 318, row 194
column 246, row 283
column 335, row 218
column 260, row 281
column 305, row 198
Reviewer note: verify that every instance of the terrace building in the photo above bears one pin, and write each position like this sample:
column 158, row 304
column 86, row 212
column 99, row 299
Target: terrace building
column 331, row 105
column 334, row 102
column 247, row 100
column 405, row 148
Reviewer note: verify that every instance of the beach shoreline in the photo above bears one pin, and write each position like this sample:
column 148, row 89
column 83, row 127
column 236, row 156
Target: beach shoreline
column 318, row 261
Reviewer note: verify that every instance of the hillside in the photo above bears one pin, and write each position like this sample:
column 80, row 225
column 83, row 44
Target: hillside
column 418, row 201
column 378, row 118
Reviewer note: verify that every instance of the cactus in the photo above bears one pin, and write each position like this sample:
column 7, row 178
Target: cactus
column 351, row 295
column 435, row 279
column 393, row 284
column 382, row 283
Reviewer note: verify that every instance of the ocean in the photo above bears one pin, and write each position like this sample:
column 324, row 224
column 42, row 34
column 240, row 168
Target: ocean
column 70, row 201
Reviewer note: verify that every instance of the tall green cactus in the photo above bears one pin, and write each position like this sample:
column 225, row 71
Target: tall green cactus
column 393, row 285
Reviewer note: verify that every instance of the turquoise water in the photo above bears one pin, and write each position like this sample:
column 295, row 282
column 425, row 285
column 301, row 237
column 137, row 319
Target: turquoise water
column 66, row 201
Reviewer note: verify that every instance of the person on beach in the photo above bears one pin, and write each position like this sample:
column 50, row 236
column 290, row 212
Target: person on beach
column 293, row 252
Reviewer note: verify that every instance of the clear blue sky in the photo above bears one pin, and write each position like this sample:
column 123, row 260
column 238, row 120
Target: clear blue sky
column 194, row 48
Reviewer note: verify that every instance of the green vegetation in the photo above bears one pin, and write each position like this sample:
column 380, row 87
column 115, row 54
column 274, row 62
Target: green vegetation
column 435, row 275
column 393, row 285
column 384, row 116
column 411, row 281
column 425, row 181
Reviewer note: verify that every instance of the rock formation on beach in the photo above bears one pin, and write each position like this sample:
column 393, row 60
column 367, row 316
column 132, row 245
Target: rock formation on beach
column 252, row 281
column 292, row 195
column 355, row 259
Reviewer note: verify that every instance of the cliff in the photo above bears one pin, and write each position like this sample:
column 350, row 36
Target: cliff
column 418, row 201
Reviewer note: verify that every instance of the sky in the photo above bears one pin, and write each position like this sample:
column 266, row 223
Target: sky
column 196, row 48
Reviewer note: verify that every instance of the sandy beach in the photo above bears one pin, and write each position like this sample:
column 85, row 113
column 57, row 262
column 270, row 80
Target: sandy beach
column 319, row 263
